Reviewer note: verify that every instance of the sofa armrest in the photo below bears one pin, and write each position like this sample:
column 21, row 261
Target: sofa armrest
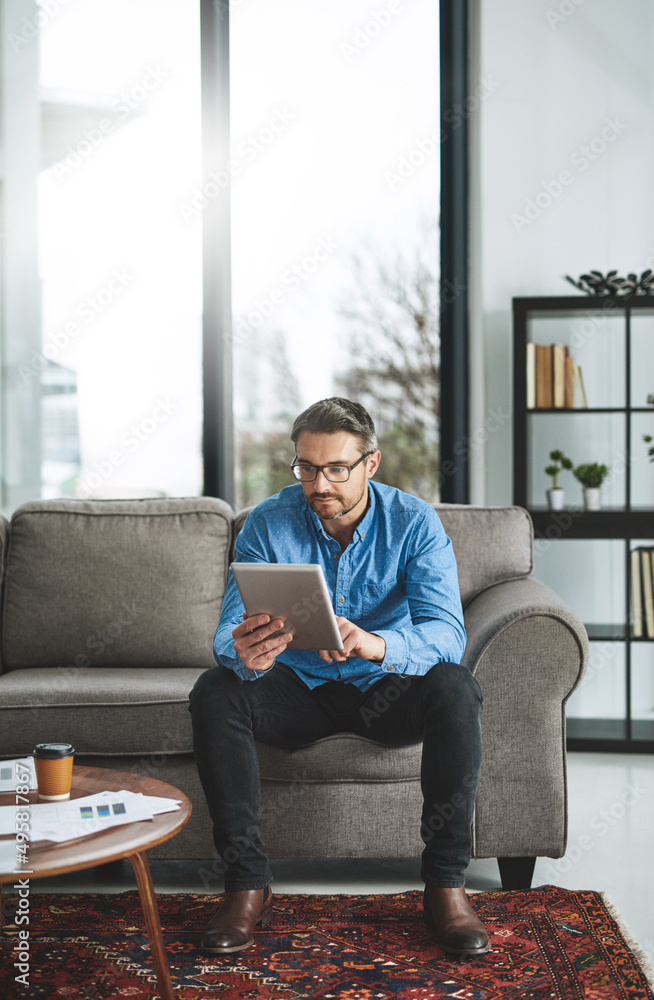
column 528, row 651
column 505, row 605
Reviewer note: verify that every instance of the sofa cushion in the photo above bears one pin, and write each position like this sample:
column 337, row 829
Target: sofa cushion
column 100, row 710
column 132, row 583
column 343, row 757
column 491, row 544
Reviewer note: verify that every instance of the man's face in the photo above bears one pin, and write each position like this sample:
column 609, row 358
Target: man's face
column 332, row 500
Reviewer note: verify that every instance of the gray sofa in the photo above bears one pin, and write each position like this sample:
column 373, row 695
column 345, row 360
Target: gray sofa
column 108, row 615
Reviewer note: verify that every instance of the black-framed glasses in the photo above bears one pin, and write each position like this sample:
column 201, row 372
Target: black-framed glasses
column 334, row 473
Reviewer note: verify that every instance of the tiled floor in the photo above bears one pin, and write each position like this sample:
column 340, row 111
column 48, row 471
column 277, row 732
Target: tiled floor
column 610, row 848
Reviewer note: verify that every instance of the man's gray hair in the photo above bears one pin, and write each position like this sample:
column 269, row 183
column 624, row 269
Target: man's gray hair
column 329, row 416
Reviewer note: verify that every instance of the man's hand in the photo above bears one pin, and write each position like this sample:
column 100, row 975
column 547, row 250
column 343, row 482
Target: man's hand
column 356, row 642
column 253, row 644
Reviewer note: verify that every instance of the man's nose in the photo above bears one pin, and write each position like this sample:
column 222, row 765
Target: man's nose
column 321, row 482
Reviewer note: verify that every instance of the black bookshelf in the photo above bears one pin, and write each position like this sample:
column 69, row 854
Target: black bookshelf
column 626, row 523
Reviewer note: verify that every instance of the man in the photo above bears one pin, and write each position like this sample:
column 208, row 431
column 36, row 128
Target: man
column 392, row 574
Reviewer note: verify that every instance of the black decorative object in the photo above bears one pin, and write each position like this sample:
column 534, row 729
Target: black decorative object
column 596, row 283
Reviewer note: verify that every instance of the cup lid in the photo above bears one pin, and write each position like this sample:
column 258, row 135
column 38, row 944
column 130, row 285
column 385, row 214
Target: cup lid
column 53, row 750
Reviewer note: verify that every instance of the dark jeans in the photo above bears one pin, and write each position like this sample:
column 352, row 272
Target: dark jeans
column 442, row 709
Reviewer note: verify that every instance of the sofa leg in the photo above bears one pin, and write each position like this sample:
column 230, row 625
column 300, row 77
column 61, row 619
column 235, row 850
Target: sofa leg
column 516, row 873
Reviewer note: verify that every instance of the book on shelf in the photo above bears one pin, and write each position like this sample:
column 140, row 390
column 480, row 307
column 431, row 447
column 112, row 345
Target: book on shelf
column 531, row 376
column 558, row 375
column 553, row 378
column 579, row 382
column 569, row 392
column 648, row 595
column 636, row 596
column 544, row 376
column 642, row 593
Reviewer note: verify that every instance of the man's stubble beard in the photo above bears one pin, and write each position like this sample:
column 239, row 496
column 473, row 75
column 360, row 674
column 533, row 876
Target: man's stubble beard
column 340, row 513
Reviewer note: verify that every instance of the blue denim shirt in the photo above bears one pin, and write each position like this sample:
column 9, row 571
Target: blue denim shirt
column 396, row 578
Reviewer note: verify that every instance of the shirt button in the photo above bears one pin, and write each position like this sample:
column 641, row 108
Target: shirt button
column 391, row 667
column 337, row 557
column 340, row 600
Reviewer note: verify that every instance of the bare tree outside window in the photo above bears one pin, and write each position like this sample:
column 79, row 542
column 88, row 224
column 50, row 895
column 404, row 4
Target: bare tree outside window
column 392, row 335
column 263, row 447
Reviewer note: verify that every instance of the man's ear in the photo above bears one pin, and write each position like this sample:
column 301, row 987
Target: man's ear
column 373, row 463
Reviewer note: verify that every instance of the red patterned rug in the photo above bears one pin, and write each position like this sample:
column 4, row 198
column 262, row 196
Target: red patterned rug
column 546, row 943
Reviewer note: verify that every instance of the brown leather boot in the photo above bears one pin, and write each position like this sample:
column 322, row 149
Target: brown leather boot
column 230, row 928
column 458, row 929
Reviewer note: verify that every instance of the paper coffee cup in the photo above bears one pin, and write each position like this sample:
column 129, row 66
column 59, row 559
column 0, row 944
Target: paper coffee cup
column 54, row 770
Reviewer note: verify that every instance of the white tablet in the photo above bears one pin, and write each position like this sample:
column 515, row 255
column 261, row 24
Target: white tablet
column 295, row 592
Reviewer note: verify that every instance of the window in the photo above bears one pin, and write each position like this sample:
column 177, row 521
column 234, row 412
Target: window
column 334, row 194
column 102, row 331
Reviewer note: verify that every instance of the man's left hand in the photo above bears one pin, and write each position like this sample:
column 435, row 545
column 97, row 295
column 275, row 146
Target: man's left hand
column 356, row 642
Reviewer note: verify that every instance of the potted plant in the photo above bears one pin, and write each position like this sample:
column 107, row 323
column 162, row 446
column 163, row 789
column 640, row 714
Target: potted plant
column 591, row 475
column 556, row 495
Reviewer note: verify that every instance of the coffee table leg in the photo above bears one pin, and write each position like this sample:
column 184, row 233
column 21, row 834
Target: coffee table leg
column 151, row 913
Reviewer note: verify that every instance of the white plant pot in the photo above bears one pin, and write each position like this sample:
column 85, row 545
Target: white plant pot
column 555, row 498
column 592, row 498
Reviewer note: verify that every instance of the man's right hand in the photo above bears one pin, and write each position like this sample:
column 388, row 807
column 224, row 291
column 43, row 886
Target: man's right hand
column 253, row 644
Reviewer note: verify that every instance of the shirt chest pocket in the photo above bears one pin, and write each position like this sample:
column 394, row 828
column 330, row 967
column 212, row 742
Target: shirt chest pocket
column 372, row 599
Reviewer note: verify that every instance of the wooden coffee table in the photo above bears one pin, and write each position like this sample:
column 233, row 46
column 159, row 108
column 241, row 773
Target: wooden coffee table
column 131, row 840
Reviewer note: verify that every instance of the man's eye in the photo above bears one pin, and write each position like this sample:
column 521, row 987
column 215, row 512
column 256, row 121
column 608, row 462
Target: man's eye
column 336, row 470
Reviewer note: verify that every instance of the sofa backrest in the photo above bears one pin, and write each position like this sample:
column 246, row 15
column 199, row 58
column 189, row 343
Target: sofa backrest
column 136, row 583
column 491, row 544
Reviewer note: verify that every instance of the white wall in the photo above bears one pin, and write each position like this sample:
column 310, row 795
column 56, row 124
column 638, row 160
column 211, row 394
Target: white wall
column 574, row 93
column 568, row 74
